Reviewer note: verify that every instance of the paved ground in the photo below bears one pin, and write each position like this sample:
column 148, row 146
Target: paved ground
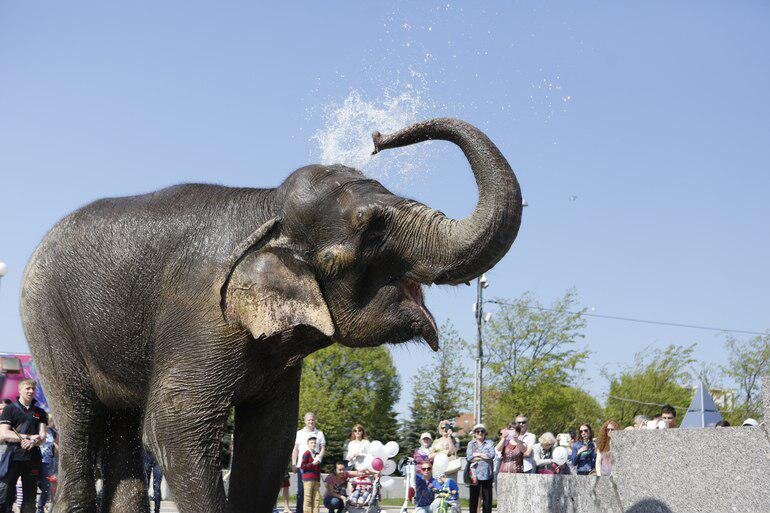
column 170, row 507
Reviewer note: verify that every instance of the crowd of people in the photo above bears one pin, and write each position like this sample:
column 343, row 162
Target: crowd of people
column 516, row 450
column 29, row 455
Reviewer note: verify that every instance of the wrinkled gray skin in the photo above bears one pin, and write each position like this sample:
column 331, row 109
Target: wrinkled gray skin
column 150, row 316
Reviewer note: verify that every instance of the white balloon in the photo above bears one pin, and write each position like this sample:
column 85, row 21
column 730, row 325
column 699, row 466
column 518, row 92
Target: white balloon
column 389, row 468
column 391, row 449
column 377, row 450
column 3, row 269
column 359, row 464
column 440, row 463
column 560, row 455
column 367, row 464
column 387, row 483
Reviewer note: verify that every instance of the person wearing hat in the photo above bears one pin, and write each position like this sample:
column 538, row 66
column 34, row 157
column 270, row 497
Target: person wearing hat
column 423, row 453
column 480, row 454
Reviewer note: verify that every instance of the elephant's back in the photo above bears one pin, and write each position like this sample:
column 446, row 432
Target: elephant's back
column 99, row 278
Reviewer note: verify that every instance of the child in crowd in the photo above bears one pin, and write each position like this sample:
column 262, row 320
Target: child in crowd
column 448, row 490
column 311, row 478
column 362, row 490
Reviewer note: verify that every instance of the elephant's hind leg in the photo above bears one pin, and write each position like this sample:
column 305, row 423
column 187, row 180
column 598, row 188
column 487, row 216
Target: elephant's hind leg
column 123, row 489
column 80, row 421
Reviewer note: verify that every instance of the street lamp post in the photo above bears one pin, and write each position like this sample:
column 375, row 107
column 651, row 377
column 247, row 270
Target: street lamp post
column 481, row 284
column 3, row 272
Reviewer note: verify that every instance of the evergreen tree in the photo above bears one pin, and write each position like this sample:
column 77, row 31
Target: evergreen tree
column 440, row 390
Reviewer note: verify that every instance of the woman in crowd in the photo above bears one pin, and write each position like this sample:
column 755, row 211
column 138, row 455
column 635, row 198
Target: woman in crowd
column 336, row 487
column 640, row 421
column 423, row 452
column 511, row 450
column 603, row 454
column 358, row 447
column 542, row 451
column 446, row 444
column 584, row 451
column 480, row 454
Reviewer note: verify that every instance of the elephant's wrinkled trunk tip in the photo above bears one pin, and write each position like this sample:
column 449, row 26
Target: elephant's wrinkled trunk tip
column 377, row 140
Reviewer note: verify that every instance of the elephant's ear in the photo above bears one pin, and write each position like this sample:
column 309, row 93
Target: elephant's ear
column 269, row 289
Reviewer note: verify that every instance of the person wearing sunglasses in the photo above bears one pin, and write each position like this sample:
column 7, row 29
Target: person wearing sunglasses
column 358, row 447
column 603, row 454
column 424, row 453
column 480, row 454
column 529, row 440
column 425, row 487
column 584, row 451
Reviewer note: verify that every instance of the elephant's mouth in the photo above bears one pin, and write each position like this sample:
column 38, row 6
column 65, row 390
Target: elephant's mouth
column 428, row 330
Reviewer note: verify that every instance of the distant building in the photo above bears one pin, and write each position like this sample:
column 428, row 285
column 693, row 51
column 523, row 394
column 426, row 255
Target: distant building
column 464, row 423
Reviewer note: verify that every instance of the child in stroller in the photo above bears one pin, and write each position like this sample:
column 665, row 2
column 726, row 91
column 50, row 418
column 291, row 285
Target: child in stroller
column 365, row 496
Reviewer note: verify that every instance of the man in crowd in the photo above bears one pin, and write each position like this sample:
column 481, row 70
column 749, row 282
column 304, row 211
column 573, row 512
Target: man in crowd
column 23, row 427
column 529, row 440
column 301, row 447
column 668, row 415
column 424, row 488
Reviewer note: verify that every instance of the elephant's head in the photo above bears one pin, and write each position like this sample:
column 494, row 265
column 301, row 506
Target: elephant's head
column 347, row 257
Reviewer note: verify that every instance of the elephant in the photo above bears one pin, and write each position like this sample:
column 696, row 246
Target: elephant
column 150, row 317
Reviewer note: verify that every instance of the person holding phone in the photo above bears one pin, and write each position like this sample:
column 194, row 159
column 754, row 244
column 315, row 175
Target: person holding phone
column 511, row 450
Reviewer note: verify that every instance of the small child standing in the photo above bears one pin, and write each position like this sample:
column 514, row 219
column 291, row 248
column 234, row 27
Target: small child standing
column 311, row 478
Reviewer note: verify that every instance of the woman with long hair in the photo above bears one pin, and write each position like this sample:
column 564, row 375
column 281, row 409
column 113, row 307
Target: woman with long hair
column 584, row 451
column 603, row 454
column 358, row 447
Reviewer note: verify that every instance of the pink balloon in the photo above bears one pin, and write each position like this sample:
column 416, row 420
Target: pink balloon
column 377, row 464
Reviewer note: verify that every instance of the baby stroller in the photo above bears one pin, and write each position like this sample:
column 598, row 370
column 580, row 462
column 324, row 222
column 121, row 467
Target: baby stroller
column 372, row 504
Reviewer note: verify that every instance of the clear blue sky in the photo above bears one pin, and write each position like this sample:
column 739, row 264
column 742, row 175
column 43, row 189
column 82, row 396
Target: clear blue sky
column 639, row 133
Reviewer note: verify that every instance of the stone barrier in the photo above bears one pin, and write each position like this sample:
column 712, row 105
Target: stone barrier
column 658, row 471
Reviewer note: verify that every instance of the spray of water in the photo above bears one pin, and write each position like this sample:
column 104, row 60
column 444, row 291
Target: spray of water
column 345, row 135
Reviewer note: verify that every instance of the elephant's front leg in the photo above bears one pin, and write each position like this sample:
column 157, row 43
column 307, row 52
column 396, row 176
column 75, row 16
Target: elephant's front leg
column 264, row 437
column 183, row 429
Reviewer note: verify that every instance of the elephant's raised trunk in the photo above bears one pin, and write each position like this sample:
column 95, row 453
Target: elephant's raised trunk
column 449, row 251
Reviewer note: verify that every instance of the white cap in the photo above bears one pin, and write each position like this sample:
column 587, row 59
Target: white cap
column 426, row 435
column 751, row 423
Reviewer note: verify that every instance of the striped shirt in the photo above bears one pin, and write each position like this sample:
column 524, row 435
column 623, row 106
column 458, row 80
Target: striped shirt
column 310, row 471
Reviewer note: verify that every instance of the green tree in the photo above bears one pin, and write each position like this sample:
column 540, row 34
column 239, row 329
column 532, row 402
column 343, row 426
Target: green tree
column 747, row 362
column 440, row 390
column 345, row 386
column 656, row 376
column 527, row 343
column 549, row 407
column 532, row 359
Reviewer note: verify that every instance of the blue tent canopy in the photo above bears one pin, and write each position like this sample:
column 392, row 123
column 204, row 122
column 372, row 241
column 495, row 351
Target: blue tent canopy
column 702, row 411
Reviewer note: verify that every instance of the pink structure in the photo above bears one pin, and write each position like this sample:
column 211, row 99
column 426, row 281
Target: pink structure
column 15, row 367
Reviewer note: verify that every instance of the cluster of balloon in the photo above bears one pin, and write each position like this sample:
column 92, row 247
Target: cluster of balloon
column 378, row 460
column 440, row 463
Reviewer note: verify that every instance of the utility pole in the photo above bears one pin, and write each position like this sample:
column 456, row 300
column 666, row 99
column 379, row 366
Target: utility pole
column 3, row 271
column 481, row 284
